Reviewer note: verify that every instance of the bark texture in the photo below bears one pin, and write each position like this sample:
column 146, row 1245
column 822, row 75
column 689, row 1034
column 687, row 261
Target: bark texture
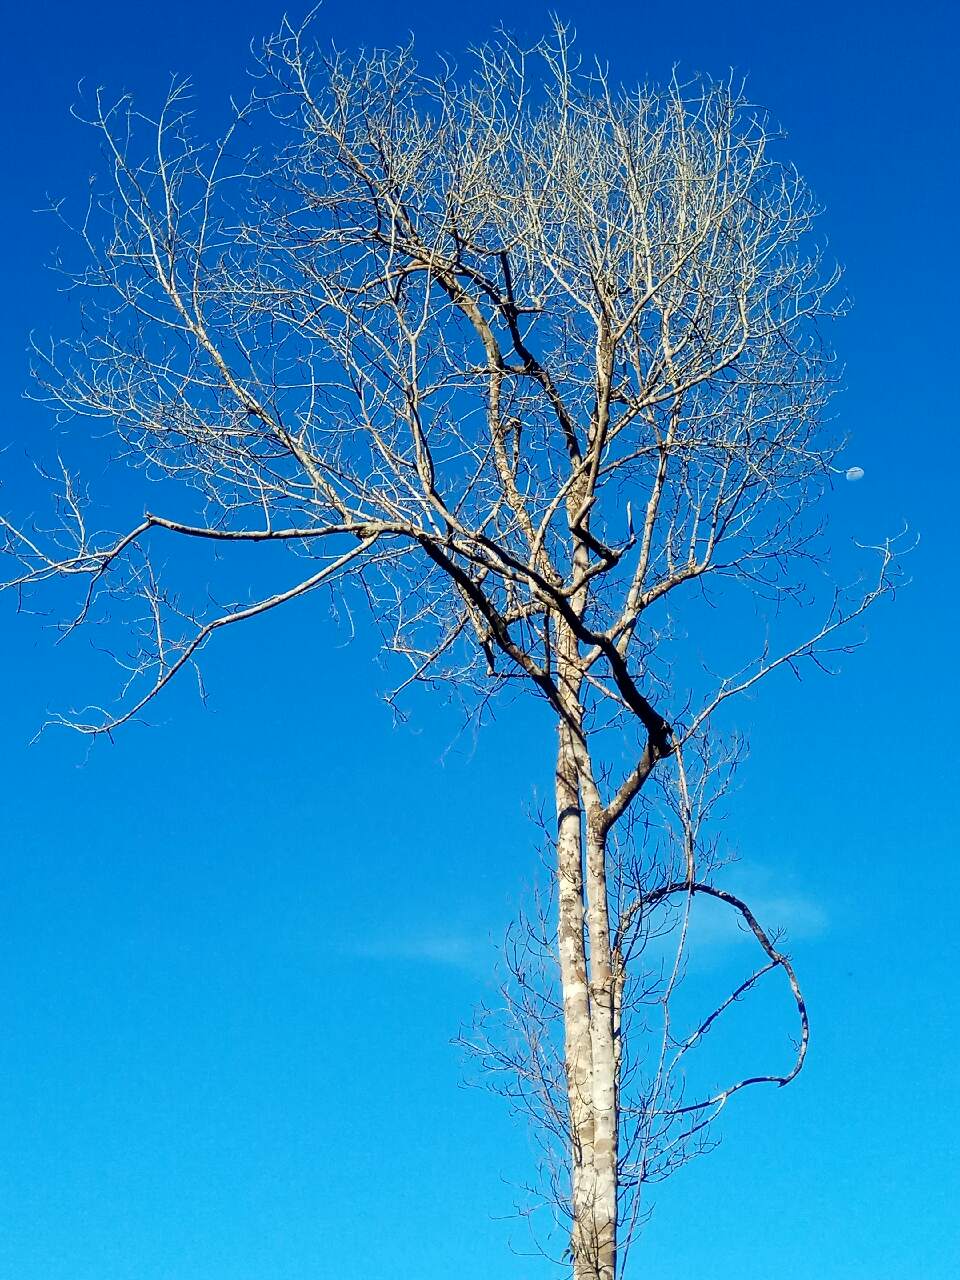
column 587, row 980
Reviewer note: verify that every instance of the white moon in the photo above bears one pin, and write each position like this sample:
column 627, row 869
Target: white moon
column 855, row 473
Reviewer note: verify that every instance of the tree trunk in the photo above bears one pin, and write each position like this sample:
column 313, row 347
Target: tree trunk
column 577, row 1047
column 605, row 1119
column 588, row 1005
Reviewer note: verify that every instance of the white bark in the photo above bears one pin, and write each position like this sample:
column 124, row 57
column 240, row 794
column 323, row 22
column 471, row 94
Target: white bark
column 587, row 986
column 604, row 1054
column 578, row 1048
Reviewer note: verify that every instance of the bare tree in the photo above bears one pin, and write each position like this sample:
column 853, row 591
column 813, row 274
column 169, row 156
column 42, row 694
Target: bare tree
column 524, row 361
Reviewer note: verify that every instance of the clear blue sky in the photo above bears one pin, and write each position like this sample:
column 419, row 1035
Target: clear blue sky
column 224, row 1056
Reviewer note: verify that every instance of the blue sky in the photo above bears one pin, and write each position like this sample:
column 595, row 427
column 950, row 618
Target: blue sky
column 223, row 1059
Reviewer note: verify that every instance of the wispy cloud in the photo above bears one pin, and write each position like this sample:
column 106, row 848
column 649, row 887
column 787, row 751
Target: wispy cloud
column 717, row 934
column 452, row 950
column 797, row 916
column 779, row 904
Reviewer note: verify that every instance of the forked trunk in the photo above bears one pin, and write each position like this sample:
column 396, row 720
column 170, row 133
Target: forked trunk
column 588, row 1011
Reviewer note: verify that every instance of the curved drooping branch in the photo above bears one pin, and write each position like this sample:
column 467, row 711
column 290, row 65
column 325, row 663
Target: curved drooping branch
column 776, row 959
